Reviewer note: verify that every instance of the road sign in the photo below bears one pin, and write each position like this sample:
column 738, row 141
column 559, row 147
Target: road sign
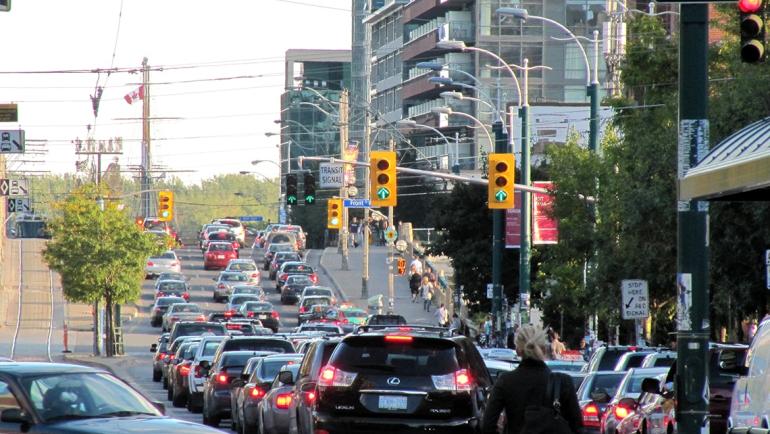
column 14, row 187
column 635, row 299
column 391, row 234
column 331, row 175
column 251, row 218
column 9, row 113
column 490, row 291
column 18, row 205
column 356, row 203
column 11, row 141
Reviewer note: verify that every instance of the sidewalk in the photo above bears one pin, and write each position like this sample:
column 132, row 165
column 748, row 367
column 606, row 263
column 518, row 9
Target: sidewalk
column 349, row 282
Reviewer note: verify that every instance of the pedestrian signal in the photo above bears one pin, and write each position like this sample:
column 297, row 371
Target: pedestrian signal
column 401, row 266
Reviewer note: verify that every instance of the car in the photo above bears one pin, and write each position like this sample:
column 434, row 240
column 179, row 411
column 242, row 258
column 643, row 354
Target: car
column 325, row 328
column 236, row 390
column 159, row 308
column 314, row 290
column 606, row 357
column 303, row 394
column 295, row 284
column 504, row 354
column 273, row 409
column 353, row 315
column 726, row 363
column 643, row 413
column 182, row 312
column 160, row 350
column 173, row 288
column 620, row 406
column 274, row 344
column 254, row 387
column 207, row 348
column 298, row 233
column 566, row 365
column 247, row 266
column 248, row 289
column 243, row 326
column 225, row 282
column 385, row 319
column 632, row 359
column 170, row 276
column 168, row 363
column 235, row 302
column 218, row 254
column 497, row 367
column 389, row 380
column 165, row 262
column 235, row 227
column 272, row 250
column 216, row 388
column 283, row 238
column 306, row 311
column 226, row 237
column 189, row 328
column 210, row 229
column 659, row 359
column 291, row 267
column 178, row 374
column 262, row 311
column 279, row 258
column 594, row 395
column 66, row 398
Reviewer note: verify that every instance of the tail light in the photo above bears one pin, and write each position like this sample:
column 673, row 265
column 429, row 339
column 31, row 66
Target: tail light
column 201, row 318
column 256, row 393
column 174, row 318
column 183, row 369
column 150, row 264
column 591, row 415
column 250, row 314
column 222, row 379
column 302, row 309
column 274, row 314
column 331, row 376
column 221, row 286
column 314, row 278
column 166, row 356
column 399, row 339
column 283, row 400
column 255, row 275
column 457, row 381
column 621, row 412
column 310, row 397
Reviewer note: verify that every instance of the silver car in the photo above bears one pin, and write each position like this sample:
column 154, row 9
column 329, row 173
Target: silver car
column 225, row 283
column 166, row 262
column 273, row 410
column 206, row 349
column 247, row 266
column 182, row 312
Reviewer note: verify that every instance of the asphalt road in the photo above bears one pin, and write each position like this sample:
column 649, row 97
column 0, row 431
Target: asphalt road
column 139, row 335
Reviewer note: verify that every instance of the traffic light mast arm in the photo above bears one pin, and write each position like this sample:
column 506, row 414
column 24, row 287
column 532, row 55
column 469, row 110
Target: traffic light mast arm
column 442, row 175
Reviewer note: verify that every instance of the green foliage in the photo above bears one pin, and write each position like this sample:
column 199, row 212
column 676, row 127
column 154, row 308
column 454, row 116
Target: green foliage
column 99, row 254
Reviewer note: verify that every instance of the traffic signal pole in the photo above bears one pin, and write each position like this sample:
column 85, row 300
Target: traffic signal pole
column 692, row 224
column 498, row 234
column 524, row 250
column 343, row 232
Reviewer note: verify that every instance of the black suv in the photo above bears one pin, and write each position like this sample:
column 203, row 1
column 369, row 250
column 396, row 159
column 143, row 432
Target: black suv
column 401, row 379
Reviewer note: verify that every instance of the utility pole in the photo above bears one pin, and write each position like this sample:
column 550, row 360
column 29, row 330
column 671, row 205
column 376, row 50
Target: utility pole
column 524, row 250
column 146, row 156
column 391, row 283
column 365, row 222
column 344, row 129
column 498, row 233
column 593, row 93
column 692, row 223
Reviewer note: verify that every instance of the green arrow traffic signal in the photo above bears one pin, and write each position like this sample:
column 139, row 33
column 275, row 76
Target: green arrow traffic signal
column 309, row 200
column 501, row 196
column 291, row 200
column 383, row 193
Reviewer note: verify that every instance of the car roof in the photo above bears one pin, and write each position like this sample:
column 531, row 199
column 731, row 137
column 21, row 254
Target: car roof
column 648, row 371
column 36, row 368
column 174, row 280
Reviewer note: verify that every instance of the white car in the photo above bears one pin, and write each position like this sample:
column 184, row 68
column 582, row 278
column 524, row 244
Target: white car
column 195, row 379
column 166, row 262
column 312, row 291
column 235, row 227
column 247, row 266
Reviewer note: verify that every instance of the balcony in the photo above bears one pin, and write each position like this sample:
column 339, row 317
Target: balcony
column 422, row 40
column 427, row 9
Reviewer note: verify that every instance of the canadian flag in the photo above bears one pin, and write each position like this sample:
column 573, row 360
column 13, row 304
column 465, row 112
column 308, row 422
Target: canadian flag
column 135, row 94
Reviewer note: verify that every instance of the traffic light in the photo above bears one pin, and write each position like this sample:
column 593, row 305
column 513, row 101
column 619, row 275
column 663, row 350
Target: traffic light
column 334, row 213
column 382, row 166
column 752, row 30
column 165, row 206
column 502, row 169
column 309, row 189
column 291, row 189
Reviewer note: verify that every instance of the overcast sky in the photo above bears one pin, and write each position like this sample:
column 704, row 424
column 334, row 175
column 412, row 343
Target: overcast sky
column 223, row 116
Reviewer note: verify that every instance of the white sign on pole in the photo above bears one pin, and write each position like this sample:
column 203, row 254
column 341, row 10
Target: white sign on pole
column 635, row 299
column 767, row 267
column 18, row 187
column 18, row 205
column 11, row 141
column 490, row 291
column 331, row 175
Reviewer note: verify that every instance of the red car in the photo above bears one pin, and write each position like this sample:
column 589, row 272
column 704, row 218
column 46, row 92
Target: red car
column 225, row 236
column 218, row 255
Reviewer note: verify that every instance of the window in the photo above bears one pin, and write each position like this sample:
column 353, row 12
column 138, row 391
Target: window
column 7, row 399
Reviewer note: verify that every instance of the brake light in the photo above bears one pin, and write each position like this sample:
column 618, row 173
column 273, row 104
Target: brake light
column 150, row 264
column 229, row 313
column 591, row 415
column 283, row 400
column 274, row 314
column 257, row 393
column 250, row 314
column 314, row 278
column 255, row 275
column 221, row 286
column 174, row 318
column 201, row 318
column 460, row 380
column 183, row 370
column 309, row 398
column 166, row 356
column 302, row 309
column 331, row 376
column 399, row 339
column 621, row 412
column 222, row 379
column 632, row 348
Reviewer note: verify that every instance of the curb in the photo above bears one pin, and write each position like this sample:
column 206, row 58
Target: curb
column 336, row 284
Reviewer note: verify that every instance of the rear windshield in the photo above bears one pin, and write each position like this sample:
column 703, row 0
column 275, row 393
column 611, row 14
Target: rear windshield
column 168, row 255
column 274, row 345
column 284, row 257
column 280, row 238
column 170, row 284
column 242, row 298
column 319, row 328
column 297, row 268
column 185, row 308
column 245, row 290
column 387, row 320
column 270, row 368
column 210, row 348
column 419, row 357
column 243, row 266
column 235, row 360
column 610, row 359
column 608, row 383
column 315, row 302
column 633, row 387
column 197, row 329
column 354, row 313
column 299, row 280
column 220, row 248
column 188, row 351
column 635, row 361
column 279, row 247
column 165, row 301
column 664, row 362
column 258, row 307
column 235, row 277
column 317, row 291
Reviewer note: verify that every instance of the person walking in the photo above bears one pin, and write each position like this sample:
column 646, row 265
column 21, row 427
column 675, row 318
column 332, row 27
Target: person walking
column 354, row 232
column 519, row 391
column 426, row 291
column 488, row 326
column 456, row 324
column 442, row 316
column 414, row 286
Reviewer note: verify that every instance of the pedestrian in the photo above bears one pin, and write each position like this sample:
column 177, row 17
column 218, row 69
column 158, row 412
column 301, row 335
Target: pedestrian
column 416, row 265
column 525, row 391
column 354, row 232
column 442, row 316
column 456, row 324
column 557, row 346
column 414, row 286
column 488, row 327
column 426, row 291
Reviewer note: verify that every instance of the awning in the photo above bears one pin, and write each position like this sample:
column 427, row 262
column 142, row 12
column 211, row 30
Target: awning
column 738, row 168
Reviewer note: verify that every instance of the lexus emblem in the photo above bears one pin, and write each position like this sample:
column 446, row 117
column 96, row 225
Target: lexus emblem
column 394, row 381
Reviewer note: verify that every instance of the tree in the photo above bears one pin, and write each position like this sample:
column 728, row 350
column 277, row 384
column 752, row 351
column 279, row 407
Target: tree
column 100, row 254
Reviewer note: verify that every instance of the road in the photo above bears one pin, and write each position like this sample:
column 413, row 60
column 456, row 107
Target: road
column 136, row 368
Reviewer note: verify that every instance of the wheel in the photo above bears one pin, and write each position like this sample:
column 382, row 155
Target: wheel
column 155, row 375
column 170, row 393
column 193, row 408
column 164, row 381
column 211, row 420
column 178, row 400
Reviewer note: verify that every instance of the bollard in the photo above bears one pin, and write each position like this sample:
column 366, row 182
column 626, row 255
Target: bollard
column 66, row 339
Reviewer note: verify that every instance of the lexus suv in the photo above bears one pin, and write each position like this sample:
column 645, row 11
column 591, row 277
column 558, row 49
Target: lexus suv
column 401, row 379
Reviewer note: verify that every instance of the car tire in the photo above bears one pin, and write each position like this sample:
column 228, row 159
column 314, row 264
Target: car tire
column 156, row 375
column 178, row 399
column 170, row 393
column 212, row 421
column 193, row 408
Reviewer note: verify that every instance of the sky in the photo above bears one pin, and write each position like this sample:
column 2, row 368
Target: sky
column 219, row 88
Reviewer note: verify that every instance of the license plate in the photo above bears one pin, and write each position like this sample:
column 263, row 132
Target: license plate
column 220, row 256
column 262, row 316
column 389, row 402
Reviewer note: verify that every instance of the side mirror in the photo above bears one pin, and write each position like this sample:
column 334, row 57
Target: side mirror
column 651, row 385
column 286, row 377
column 238, row 382
column 629, row 403
column 153, row 348
column 14, row 415
column 160, row 406
column 205, row 364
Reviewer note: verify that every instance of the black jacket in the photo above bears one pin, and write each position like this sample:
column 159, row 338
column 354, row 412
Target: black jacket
column 524, row 386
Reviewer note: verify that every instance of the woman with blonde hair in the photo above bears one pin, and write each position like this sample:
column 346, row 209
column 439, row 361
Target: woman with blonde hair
column 529, row 387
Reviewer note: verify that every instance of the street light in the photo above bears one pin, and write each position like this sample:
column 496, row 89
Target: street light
column 411, row 123
column 449, row 112
column 460, row 96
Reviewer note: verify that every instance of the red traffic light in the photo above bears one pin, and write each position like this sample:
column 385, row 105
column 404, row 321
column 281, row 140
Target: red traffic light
column 749, row 6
